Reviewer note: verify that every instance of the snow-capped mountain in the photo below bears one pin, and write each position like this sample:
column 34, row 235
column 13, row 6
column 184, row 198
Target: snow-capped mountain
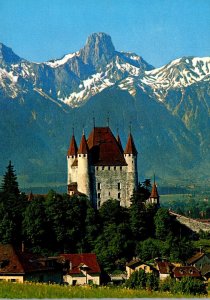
column 169, row 106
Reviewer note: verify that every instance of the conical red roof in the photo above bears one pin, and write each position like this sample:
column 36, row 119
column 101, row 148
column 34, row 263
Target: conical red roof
column 83, row 147
column 73, row 147
column 154, row 193
column 130, row 147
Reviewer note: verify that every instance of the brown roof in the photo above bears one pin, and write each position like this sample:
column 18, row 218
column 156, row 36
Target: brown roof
column 87, row 260
column 13, row 261
column 164, row 267
column 134, row 263
column 130, row 147
column 73, row 147
column 195, row 258
column 83, row 147
column 104, row 148
column 154, row 192
column 189, row 271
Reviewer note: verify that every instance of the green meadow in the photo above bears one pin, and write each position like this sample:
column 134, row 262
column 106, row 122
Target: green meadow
column 38, row 290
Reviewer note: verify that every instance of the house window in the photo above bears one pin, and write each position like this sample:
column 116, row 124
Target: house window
column 99, row 186
column 119, row 196
column 99, row 195
column 103, row 168
column 13, row 280
column 84, row 155
column 109, row 168
column 90, row 281
column 119, row 186
column 99, row 204
column 114, row 168
column 97, row 168
column 120, row 168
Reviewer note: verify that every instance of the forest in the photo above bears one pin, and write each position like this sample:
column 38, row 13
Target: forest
column 57, row 223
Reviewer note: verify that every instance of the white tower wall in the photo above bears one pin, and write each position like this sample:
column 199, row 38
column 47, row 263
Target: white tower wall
column 83, row 179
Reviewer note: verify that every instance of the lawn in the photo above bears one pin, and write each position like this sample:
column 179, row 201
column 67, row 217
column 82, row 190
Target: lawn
column 32, row 290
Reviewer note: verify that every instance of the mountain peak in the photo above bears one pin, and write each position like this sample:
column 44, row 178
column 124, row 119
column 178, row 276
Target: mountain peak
column 98, row 49
column 7, row 55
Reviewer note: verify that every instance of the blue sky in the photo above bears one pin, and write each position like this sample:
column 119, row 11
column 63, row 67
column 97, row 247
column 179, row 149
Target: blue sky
column 158, row 30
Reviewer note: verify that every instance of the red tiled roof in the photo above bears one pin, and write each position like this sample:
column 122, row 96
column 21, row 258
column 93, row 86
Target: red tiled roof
column 164, row 267
column 186, row 271
column 83, row 148
column 73, row 147
column 195, row 258
column 13, row 261
column 104, row 148
column 77, row 260
column 130, row 147
column 154, row 192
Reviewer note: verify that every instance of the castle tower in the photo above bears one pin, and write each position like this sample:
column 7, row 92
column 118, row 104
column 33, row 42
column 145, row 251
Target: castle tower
column 154, row 197
column 130, row 154
column 83, row 176
column 71, row 157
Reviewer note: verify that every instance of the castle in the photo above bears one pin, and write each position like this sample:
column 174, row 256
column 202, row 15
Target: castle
column 102, row 170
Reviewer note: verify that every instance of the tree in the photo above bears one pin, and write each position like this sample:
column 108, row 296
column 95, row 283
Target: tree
column 10, row 184
column 137, row 280
column 35, row 232
column 163, row 222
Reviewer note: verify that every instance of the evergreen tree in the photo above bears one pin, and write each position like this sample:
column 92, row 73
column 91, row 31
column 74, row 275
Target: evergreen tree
column 10, row 184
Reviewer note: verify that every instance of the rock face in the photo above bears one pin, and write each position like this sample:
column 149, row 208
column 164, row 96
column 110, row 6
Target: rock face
column 169, row 108
column 98, row 50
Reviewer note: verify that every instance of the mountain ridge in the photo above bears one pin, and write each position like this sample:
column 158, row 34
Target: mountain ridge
column 169, row 108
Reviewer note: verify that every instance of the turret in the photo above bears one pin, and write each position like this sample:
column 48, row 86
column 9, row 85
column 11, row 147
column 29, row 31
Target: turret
column 71, row 159
column 154, row 197
column 83, row 179
column 130, row 154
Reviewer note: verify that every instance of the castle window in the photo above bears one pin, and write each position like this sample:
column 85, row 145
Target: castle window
column 109, row 194
column 119, row 186
column 99, row 204
column 99, row 195
column 120, row 168
column 97, row 168
column 103, row 168
column 119, row 196
column 99, row 186
column 114, row 168
column 79, row 155
column 109, row 168
column 72, row 156
column 84, row 155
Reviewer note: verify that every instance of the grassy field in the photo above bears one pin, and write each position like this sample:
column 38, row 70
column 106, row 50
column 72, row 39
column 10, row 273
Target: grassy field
column 29, row 290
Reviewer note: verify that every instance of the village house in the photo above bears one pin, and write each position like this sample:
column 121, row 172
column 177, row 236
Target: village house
column 81, row 269
column 19, row 266
column 198, row 260
column 164, row 268
column 136, row 265
column 186, row 271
